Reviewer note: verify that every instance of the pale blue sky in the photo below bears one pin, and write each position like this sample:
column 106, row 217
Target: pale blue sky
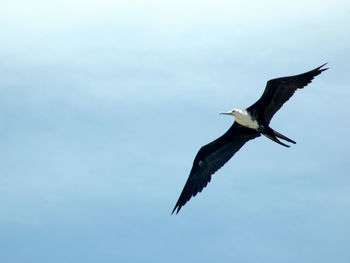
column 104, row 104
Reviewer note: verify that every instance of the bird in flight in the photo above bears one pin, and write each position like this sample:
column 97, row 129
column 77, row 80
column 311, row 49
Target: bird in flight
column 249, row 124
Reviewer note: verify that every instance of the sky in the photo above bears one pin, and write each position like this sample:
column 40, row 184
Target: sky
column 104, row 105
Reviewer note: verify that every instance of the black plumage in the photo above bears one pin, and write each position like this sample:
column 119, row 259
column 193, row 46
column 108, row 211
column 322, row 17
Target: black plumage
column 278, row 91
column 214, row 155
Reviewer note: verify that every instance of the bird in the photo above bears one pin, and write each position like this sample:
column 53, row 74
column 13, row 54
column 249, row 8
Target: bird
column 249, row 124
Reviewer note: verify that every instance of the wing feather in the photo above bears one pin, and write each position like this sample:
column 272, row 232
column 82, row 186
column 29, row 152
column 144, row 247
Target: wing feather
column 280, row 90
column 211, row 158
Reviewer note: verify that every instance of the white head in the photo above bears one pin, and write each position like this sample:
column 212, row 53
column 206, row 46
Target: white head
column 233, row 112
column 243, row 117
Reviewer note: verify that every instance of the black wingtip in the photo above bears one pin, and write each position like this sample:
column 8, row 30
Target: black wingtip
column 322, row 69
column 178, row 207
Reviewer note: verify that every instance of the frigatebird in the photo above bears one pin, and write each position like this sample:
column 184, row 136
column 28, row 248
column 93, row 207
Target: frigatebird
column 249, row 124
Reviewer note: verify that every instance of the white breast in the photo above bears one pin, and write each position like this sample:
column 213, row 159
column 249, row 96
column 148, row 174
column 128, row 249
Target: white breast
column 243, row 117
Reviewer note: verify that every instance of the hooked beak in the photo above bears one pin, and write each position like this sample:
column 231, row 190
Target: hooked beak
column 226, row 113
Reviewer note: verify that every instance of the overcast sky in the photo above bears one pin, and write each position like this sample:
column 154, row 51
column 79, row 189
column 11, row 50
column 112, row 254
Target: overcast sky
column 104, row 105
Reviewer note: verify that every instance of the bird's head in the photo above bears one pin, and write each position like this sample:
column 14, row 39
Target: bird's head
column 231, row 112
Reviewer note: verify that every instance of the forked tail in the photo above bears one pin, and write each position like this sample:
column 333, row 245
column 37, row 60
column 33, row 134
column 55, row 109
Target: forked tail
column 272, row 135
column 283, row 137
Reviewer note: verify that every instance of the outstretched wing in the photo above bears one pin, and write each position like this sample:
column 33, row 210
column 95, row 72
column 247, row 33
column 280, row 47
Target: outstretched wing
column 211, row 158
column 278, row 91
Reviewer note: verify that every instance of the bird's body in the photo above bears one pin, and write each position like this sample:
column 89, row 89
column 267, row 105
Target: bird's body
column 244, row 118
column 250, row 123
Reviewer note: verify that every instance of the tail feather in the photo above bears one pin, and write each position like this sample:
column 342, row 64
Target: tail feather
column 272, row 135
column 274, row 138
column 281, row 136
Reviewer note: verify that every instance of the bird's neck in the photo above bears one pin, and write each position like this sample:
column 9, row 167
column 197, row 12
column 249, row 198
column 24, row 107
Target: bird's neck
column 245, row 119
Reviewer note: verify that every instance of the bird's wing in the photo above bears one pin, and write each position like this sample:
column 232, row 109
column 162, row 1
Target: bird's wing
column 278, row 91
column 211, row 158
